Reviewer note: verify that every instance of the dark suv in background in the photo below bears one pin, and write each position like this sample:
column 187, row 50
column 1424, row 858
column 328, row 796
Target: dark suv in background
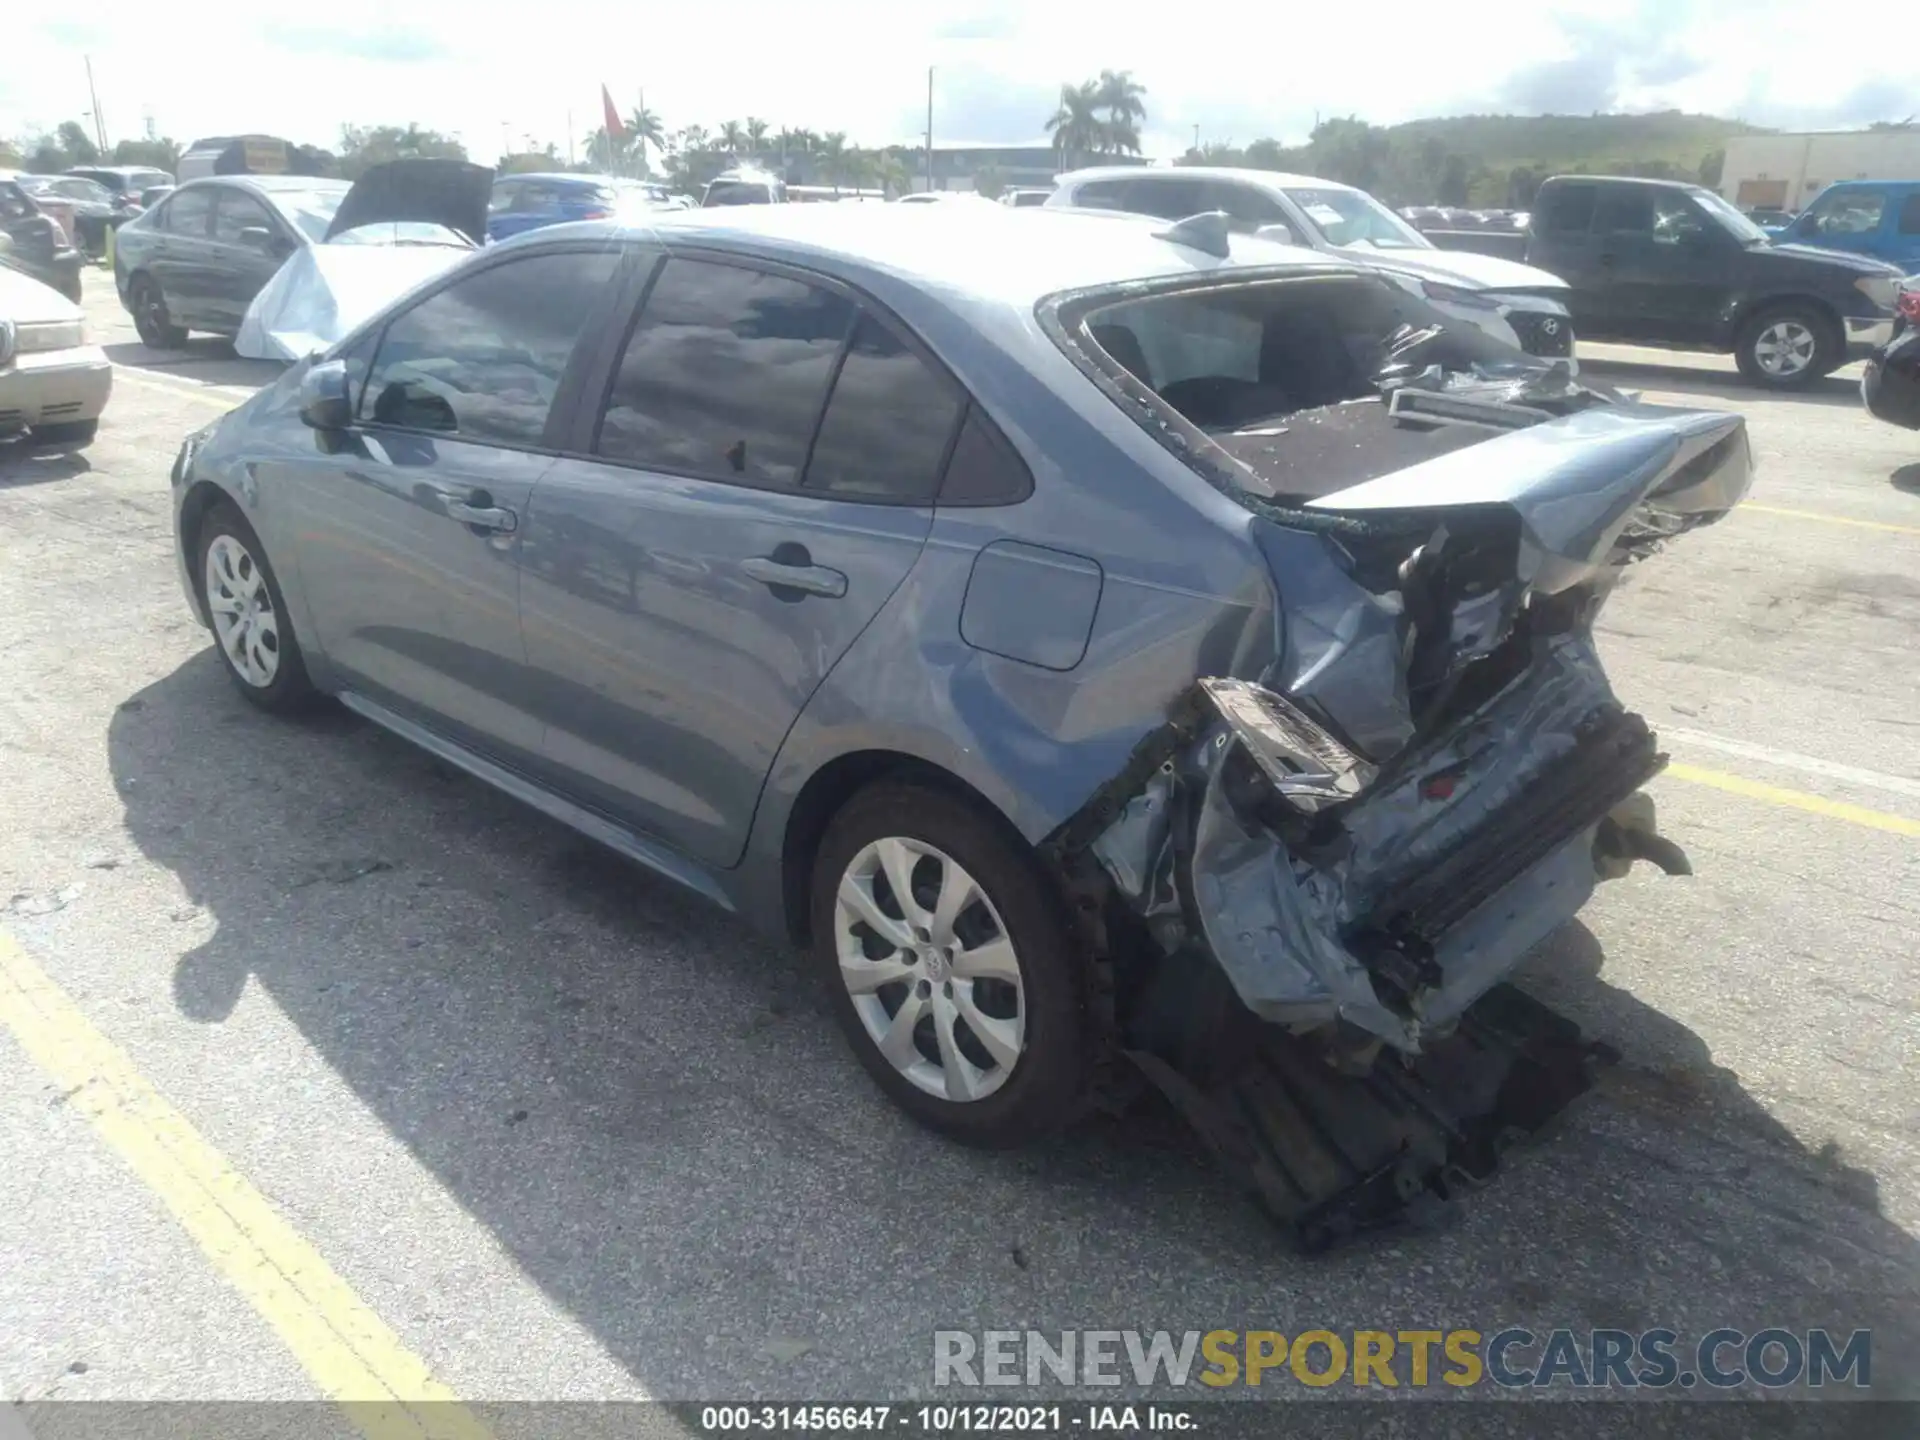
column 1653, row 262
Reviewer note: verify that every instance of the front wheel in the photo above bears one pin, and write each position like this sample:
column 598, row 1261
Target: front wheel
column 951, row 966
column 1788, row 347
column 243, row 604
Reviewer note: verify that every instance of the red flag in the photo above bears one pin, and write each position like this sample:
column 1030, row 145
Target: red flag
column 615, row 130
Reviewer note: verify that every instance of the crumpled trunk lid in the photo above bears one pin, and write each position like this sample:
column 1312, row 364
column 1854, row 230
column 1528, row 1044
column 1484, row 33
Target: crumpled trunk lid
column 1434, row 771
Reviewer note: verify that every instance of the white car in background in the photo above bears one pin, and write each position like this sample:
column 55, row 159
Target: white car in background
column 53, row 385
column 1514, row 303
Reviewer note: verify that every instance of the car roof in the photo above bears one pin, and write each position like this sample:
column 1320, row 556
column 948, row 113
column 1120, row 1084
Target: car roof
column 561, row 177
column 273, row 184
column 1271, row 179
column 1686, row 185
column 977, row 251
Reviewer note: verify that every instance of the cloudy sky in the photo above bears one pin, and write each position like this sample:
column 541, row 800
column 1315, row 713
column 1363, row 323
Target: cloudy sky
column 1237, row 70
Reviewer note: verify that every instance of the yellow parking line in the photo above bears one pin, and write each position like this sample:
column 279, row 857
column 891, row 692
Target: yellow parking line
column 1830, row 519
column 1795, row 799
column 204, row 394
column 355, row 1359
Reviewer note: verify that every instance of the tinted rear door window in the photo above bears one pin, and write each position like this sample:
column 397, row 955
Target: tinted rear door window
column 1173, row 199
column 725, row 374
column 1910, row 214
column 1102, row 195
column 483, row 358
column 1569, row 210
column 887, row 425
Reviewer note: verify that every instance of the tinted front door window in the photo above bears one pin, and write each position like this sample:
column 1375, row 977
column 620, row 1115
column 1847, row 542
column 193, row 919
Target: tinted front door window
column 417, row 603
column 725, row 374
column 483, row 358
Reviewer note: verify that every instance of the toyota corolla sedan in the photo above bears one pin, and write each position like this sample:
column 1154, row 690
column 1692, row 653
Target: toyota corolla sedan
column 1123, row 653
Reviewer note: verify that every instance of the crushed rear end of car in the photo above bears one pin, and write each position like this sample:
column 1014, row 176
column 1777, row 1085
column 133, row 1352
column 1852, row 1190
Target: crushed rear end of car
column 1310, row 885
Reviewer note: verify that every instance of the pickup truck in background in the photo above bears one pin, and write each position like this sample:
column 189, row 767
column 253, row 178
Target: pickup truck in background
column 1658, row 262
column 1880, row 218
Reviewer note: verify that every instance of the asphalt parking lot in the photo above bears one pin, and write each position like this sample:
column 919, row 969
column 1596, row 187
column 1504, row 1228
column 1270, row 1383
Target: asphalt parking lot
column 529, row 1122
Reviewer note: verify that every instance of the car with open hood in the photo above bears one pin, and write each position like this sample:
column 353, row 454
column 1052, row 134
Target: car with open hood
column 198, row 259
column 1519, row 304
column 53, row 383
column 1110, row 648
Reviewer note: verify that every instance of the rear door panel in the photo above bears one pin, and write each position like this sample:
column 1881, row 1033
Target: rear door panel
column 690, row 584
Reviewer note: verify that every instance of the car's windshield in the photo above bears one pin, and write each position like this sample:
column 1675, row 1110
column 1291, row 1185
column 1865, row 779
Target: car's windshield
column 1353, row 217
column 1730, row 218
column 739, row 192
column 400, row 232
column 68, row 187
column 310, row 211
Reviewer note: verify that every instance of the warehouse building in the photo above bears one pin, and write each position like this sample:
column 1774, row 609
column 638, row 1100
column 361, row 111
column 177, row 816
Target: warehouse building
column 1785, row 172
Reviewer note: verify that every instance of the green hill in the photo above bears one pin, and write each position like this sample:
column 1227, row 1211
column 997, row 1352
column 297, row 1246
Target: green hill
column 1559, row 143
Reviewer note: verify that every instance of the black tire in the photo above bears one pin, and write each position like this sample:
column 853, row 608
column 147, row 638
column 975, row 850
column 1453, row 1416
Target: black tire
column 1829, row 348
column 74, row 432
column 290, row 689
column 1047, row 1086
column 151, row 317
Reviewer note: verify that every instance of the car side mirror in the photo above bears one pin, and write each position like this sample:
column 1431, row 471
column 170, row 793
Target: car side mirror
column 324, row 402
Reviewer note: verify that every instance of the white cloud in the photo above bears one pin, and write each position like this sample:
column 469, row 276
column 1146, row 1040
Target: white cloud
column 1239, row 71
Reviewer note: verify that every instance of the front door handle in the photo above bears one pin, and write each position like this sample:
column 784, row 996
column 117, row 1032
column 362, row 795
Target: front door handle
column 484, row 517
column 796, row 575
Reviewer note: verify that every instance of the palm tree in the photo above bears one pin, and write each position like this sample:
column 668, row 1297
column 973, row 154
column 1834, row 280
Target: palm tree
column 733, row 135
column 832, row 151
column 644, row 129
column 1121, row 96
column 1076, row 126
column 756, row 134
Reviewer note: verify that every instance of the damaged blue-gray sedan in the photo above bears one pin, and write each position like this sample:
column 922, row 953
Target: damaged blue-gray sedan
column 1121, row 653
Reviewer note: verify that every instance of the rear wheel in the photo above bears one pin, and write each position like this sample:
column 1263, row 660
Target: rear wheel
column 1787, row 347
column 951, row 966
column 150, row 317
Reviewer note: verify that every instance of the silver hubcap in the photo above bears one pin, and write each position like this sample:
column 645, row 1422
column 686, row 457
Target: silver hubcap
column 244, row 621
column 932, row 973
column 1784, row 348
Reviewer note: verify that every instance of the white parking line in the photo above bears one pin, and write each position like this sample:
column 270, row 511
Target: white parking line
column 1787, row 760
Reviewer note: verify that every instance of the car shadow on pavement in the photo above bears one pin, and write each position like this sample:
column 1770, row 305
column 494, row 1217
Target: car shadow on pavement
column 1907, row 479
column 1713, row 385
column 649, row 1108
column 202, row 358
column 24, row 462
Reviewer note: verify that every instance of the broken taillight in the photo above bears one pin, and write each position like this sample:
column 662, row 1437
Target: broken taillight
column 1907, row 302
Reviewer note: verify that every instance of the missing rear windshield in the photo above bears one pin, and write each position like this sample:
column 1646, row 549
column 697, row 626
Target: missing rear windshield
column 1282, row 389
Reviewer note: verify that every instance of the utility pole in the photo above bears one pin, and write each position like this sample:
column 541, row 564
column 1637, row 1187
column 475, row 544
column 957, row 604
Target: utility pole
column 1196, row 137
column 570, row 139
column 930, row 127
column 99, row 121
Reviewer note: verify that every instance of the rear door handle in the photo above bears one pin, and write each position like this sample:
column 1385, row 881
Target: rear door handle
column 486, row 517
column 803, row 576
